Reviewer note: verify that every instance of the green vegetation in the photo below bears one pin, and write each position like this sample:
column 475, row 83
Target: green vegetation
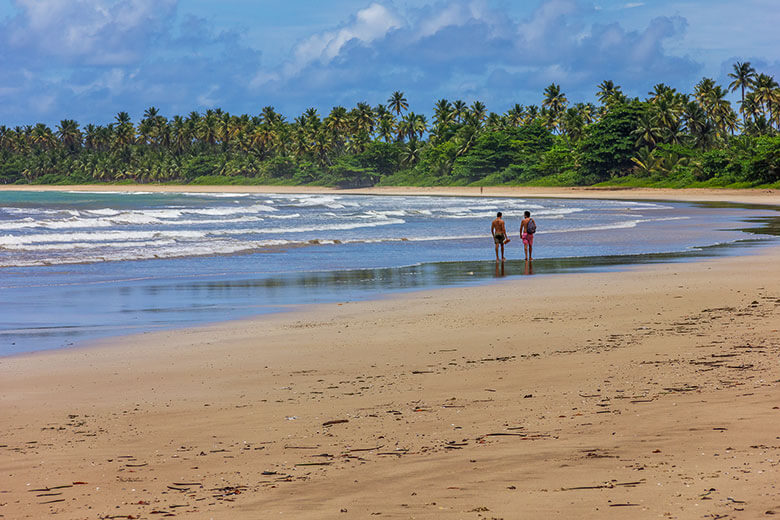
column 668, row 139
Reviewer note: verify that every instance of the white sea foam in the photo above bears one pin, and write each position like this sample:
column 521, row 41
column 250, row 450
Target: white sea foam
column 329, row 227
column 129, row 218
column 104, row 211
column 97, row 236
column 215, row 195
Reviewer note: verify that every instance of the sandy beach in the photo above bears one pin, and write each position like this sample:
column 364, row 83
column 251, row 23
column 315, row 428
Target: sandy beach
column 747, row 196
column 653, row 392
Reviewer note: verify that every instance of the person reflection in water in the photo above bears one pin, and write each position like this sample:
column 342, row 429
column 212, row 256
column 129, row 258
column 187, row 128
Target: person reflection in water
column 500, row 270
column 529, row 267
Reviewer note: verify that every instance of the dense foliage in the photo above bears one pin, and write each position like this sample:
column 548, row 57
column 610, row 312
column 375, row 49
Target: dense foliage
column 667, row 139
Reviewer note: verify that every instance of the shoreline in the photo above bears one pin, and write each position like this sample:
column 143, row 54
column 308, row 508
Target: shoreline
column 558, row 396
column 744, row 196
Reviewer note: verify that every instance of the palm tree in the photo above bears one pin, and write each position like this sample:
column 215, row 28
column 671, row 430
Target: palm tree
column 515, row 115
column 531, row 113
column 646, row 161
column 555, row 102
column 442, row 112
column 337, row 123
column 459, row 109
column 572, row 124
column 647, row 131
column 661, row 90
column 744, row 77
column 397, row 102
column 364, row 118
column 270, row 116
column 124, row 132
column 69, row 134
column 386, row 127
column 478, row 111
column 311, row 118
column 608, row 93
column 411, row 153
column 764, row 89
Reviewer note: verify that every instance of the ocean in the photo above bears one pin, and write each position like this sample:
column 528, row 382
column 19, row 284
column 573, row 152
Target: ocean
column 76, row 266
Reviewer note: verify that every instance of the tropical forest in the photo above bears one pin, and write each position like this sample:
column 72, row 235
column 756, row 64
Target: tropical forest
column 666, row 139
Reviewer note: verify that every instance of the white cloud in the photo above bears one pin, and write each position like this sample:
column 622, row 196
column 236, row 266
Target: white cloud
column 95, row 31
column 369, row 25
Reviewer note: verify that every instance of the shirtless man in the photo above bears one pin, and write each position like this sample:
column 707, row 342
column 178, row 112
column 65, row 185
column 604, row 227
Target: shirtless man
column 528, row 238
column 498, row 230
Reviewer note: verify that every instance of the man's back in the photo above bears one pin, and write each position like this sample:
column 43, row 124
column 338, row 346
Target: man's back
column 498, row 226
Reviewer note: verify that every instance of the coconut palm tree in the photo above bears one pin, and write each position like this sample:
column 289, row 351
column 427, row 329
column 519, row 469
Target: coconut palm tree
column 442, row 113
column 386, row 127
column 124, row 132
column 572, row 124
column 411, row 153
column 609, row 93
column 646, row 161
column 744, row 77
column 459, row 110
column 647, row 131
column 555, row 102
column 764, row 88
column 364, row 118
column 515, row 115
column 69, row 134
column 397, row 102
column 661, row 90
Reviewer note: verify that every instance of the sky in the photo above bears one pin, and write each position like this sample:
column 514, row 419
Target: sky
column 89, row 59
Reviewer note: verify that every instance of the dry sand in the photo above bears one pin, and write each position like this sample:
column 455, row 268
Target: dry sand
column 648, row 393
column 747, row 196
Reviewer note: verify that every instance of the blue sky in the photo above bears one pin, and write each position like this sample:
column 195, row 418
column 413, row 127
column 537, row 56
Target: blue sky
column 89, row 59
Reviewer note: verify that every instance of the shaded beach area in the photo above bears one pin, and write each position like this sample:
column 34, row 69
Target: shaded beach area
column 652, row 391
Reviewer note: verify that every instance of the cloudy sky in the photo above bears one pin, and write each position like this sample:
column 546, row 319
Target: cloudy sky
column 89, row 59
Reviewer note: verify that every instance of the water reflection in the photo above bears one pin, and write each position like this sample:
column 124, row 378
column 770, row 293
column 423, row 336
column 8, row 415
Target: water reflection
column 146, row 304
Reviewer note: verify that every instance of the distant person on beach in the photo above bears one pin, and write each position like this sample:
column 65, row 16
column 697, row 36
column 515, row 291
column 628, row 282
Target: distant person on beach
column 498, row 230
column 527, row 231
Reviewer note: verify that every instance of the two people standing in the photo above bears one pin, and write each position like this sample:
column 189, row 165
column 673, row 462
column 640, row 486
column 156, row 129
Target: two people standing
column 500, row 236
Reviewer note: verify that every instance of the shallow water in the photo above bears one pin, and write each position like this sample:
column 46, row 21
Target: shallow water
column 76, row 266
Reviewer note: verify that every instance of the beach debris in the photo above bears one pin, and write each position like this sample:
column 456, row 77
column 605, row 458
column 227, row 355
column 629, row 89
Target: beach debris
column 706, row 495
column 335, row 421
column 365, row 449
column 606, row 485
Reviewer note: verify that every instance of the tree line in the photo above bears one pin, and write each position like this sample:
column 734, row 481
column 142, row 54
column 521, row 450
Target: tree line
column 669, row 138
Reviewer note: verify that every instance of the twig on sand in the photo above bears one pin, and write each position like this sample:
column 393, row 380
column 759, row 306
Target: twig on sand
column 335, row 421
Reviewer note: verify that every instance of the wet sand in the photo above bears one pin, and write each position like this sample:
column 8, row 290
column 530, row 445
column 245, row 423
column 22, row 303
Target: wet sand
column 648, row 393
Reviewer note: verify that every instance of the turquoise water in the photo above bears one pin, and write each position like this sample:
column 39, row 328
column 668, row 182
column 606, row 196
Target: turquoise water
column 77, row 266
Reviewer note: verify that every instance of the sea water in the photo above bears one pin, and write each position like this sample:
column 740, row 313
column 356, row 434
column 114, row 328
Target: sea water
column 81, row 265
